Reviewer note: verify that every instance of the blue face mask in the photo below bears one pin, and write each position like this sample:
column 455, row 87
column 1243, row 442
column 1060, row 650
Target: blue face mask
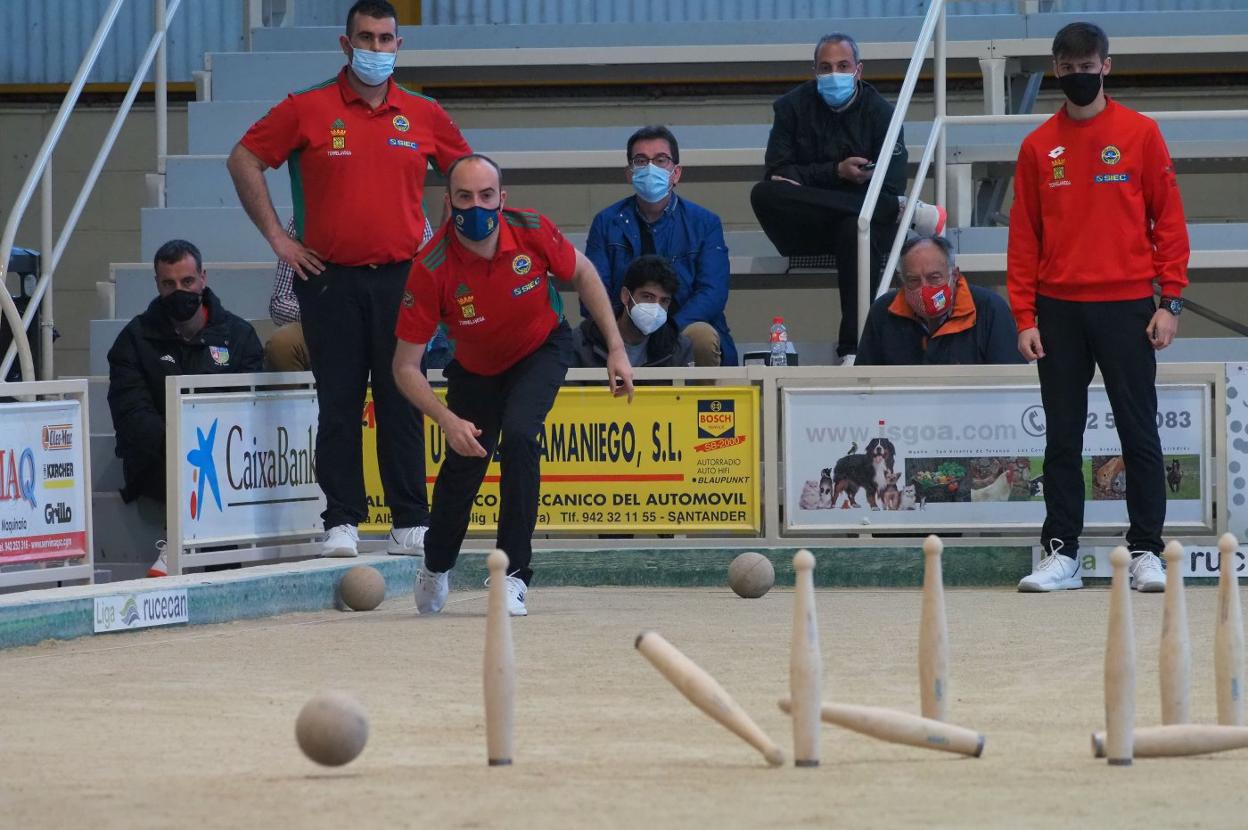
column 475, row 223
column 372, row 68
column 652, row 183
column 836, row 88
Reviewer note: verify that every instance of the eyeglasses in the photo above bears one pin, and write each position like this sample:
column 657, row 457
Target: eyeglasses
column 639, row 161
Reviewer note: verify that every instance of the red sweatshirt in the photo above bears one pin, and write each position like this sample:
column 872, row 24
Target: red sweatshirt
column 1097, row 213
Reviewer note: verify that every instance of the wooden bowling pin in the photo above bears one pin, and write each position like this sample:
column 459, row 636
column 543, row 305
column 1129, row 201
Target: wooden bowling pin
column 1175, row 662
column 933, row 635
column 499, row 673
column 900, row 727
column 1119, row 665
column 692, row 681
column 1228, row 638
column 805, row 664
column 1180, row 739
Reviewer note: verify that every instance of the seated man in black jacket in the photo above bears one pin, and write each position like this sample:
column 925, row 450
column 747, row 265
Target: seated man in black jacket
column 826, row 138
column 651, row 337
column 937, row 316
column 185, row 331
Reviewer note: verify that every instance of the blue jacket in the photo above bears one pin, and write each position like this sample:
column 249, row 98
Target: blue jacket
column 691, row 238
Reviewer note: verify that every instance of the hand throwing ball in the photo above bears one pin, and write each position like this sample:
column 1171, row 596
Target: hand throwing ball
column 332, row 728
column 751, row 575
column 362, row 588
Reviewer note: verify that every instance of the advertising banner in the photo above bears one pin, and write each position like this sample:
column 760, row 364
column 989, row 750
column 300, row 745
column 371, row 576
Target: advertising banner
column 42, row 482
column 123, row 612
column 970, row 457
column 1236, row 502
column 246, row 466
column 1198, row 560
column 675, row 460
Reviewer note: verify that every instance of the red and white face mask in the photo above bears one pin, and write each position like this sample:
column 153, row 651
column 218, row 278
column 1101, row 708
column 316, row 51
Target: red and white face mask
column 931, row 300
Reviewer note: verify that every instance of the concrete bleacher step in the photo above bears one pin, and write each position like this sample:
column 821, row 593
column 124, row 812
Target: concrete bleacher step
column 1218, row 246
column 243, row 289
column 777, row 50
column 731, row 151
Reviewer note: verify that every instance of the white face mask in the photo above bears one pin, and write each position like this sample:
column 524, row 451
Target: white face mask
column 647, row 317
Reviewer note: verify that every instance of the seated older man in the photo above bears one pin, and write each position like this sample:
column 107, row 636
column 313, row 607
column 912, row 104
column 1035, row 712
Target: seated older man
column 937, row 317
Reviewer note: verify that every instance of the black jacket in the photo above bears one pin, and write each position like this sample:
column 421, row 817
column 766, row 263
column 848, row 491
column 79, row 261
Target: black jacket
column 146, row 352
column 665, row 347
column 979, row 330
column 808, row 139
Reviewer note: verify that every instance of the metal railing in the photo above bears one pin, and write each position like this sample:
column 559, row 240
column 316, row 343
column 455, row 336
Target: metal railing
column 41, row 172
column 932, row 33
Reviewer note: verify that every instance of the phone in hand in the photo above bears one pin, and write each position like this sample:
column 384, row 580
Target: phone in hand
column 869, row 166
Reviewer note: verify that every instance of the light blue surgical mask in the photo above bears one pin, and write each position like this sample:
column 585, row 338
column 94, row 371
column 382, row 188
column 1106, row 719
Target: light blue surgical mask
column 372, row 68
column 476, row 222
column 652, row 183
column 836, row 88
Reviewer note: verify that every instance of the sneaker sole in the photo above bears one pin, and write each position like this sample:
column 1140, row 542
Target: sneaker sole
column 1154, row 588
column 523, row 613
column 406, row 551
column 340, row 553
column 1068, row 585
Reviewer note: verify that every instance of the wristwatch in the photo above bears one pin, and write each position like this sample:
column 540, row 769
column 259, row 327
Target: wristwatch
column 1174, row 305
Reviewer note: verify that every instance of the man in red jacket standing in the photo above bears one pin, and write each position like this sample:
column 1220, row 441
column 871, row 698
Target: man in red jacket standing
column 1097, row 218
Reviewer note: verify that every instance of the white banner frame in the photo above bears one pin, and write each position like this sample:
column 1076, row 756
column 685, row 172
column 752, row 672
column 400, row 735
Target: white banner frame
column 83, row 569
column 1210, row 376
column 181, row 552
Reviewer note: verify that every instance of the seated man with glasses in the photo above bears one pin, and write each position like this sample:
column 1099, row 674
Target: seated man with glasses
column 657, row 221
column 650, row 336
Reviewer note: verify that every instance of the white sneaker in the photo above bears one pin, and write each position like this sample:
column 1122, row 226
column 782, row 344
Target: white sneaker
column 431, row 590
column 1054, row 573
column 1147, row 573
column 516, row 589
column 161, row 566
column 340, row 542
column 929, row 220
column 848, row 360
column 407, row 541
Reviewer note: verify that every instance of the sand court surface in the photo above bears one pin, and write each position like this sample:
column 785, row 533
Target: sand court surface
column 194, row 726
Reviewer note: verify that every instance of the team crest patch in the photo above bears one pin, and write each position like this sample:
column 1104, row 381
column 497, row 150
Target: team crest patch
column 401, row 124
column 1111, row 154
column 220, row 355
column 338, row 134
column 522, row 264
column 407, row 299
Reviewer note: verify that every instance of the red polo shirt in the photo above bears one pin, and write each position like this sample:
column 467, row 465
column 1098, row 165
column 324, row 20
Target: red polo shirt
column 497, row 311
column 357, row 174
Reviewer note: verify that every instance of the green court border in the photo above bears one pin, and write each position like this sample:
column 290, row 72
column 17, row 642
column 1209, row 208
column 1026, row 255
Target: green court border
column 290, row 588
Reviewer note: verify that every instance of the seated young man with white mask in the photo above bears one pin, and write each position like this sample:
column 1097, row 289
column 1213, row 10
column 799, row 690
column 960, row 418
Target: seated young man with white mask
column 651, row 337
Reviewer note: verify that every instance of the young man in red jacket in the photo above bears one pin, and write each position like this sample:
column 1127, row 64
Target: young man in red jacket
column 1097, row 218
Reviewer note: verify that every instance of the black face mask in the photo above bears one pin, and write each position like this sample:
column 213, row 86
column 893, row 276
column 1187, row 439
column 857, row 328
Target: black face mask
column 180, row 306
column 1081, row 87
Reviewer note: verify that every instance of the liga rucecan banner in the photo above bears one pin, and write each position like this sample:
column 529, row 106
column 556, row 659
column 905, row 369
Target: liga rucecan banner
column 42, row 482
column 675, row 460
column 971, row 457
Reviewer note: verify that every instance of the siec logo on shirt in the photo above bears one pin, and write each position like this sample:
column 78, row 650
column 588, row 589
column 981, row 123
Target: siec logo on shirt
column 401, row 124
column 522, row 264
column 402, row 142
column 1112, row 178
column 527, row 287
column 1111, row 154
